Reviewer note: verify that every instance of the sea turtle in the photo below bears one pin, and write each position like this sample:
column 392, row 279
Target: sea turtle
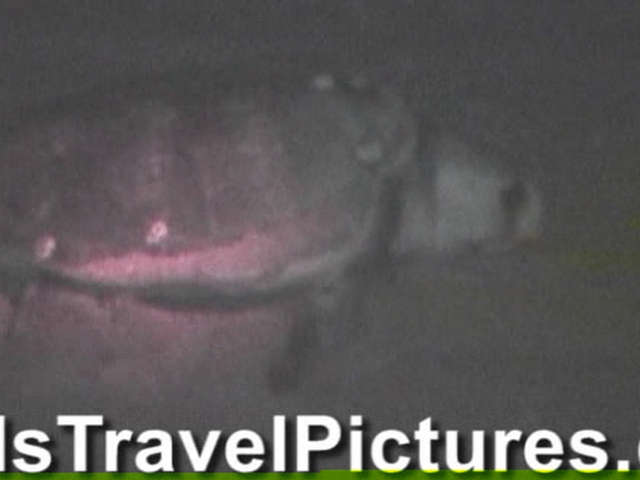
column 193, row 220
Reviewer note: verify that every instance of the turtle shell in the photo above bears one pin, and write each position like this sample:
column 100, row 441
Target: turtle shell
column 163, row 224
column 219, row 185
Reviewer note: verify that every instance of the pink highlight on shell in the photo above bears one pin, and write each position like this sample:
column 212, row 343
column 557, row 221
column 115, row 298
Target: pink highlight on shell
column 256, row 254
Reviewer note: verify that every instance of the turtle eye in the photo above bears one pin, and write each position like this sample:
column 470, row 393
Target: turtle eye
column 157, row 232
column 45, row 247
